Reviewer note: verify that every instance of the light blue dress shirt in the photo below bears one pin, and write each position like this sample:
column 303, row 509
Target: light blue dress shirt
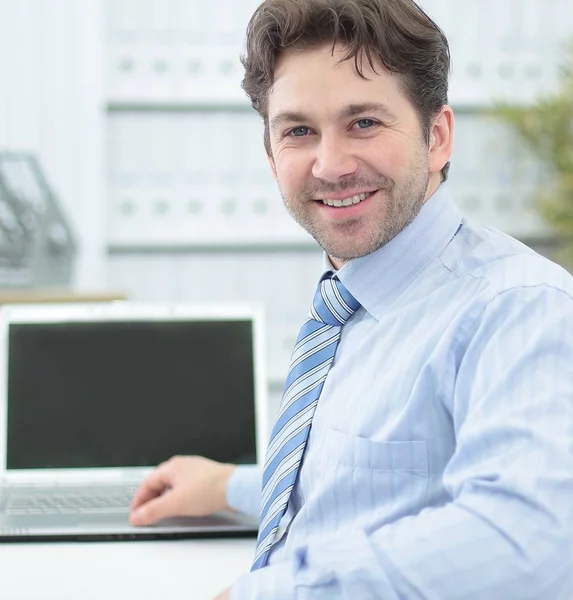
column 440, row 460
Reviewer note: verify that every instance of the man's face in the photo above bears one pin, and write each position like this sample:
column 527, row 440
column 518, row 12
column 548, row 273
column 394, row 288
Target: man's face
column 347, row 152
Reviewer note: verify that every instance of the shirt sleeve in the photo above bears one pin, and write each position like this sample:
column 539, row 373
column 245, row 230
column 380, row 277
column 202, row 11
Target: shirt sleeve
column 508, row 530
column 244, row 490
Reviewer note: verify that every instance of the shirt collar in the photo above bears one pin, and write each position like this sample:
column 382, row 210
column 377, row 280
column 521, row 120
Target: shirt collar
column 379, row 278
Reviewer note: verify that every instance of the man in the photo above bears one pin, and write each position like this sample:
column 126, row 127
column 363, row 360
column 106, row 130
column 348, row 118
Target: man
column 433, row 458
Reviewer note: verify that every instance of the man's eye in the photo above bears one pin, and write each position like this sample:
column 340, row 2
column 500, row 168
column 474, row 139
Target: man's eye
column 365, row 123
column 298, row 132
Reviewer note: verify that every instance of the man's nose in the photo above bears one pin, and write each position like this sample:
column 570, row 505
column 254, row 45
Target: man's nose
column 333, row 159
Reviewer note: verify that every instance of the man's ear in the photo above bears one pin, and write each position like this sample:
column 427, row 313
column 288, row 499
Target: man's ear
column 441, row 139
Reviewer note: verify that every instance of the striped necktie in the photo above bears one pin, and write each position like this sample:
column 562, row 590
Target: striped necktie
column 312, row 356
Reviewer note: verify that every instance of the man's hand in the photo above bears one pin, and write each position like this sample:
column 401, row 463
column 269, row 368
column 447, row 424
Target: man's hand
column 226, row 595
column 183, row 486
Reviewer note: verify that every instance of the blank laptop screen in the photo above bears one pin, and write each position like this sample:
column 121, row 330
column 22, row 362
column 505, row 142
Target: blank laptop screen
column 128, row 394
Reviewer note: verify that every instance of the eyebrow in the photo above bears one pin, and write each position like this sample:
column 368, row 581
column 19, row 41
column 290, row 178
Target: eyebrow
column 352, row 110
column 288, row 117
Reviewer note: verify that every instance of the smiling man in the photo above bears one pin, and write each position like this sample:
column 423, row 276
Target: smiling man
column 424, row 445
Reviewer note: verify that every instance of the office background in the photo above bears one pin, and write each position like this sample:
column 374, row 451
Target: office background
column 135, row 111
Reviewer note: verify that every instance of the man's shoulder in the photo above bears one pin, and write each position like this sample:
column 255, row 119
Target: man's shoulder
column 501, row 263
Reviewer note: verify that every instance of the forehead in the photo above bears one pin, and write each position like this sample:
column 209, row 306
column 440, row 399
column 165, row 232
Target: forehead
column 317, row 79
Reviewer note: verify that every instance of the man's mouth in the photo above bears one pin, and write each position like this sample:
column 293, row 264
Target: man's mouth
column 338, row 203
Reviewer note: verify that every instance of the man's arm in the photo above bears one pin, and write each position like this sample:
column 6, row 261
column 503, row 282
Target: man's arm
column 508, row 530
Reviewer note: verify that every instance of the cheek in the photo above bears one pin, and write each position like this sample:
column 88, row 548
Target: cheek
column 394, row 155
column 292, row 172
column 398, row 164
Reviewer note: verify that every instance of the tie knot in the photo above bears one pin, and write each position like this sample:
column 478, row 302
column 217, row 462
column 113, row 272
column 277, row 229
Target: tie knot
column 333, row 304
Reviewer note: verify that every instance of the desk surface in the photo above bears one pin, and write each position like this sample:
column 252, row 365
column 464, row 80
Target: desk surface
column 170, row 570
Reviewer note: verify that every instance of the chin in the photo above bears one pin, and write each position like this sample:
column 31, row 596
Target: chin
column 346, row 253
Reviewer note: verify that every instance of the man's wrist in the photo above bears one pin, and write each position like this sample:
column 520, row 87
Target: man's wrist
column 222, row 484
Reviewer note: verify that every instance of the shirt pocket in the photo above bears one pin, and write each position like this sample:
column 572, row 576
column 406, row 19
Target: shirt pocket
column 373, row 482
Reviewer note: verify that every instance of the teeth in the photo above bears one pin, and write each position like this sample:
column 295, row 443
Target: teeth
column 347, row 201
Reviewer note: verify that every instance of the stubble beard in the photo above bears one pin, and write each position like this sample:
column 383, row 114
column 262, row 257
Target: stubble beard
column 354, row 238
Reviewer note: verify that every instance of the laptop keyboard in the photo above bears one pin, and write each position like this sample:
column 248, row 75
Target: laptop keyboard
column 70, row 501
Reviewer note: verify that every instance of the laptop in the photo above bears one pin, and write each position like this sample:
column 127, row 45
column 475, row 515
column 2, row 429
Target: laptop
column 94, row 396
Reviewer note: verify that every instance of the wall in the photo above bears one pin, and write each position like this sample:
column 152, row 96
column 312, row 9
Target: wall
column 52, row 104
column 136, row 112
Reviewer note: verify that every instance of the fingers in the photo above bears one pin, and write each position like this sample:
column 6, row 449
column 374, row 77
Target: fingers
column 154, row 510
column 152, row 486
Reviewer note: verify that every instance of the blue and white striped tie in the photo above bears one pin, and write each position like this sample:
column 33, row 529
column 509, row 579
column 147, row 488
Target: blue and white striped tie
column 312, row 356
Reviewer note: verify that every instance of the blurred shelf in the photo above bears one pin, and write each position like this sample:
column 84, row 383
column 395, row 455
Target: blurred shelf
column 56, row 295
column 178, row 107
column 545, row 240
column 219, row 248
column 145, row 106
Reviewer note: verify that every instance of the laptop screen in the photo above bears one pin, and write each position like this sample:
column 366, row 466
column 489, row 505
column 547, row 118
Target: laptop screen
column 129, row 394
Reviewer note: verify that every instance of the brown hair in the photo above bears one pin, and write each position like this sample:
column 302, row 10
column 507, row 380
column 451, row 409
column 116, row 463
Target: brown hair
column 398, row 33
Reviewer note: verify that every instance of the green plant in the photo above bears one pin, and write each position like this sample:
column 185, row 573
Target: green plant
column 546, row 129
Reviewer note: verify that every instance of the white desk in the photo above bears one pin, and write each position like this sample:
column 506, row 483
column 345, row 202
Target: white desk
column 166, row 570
